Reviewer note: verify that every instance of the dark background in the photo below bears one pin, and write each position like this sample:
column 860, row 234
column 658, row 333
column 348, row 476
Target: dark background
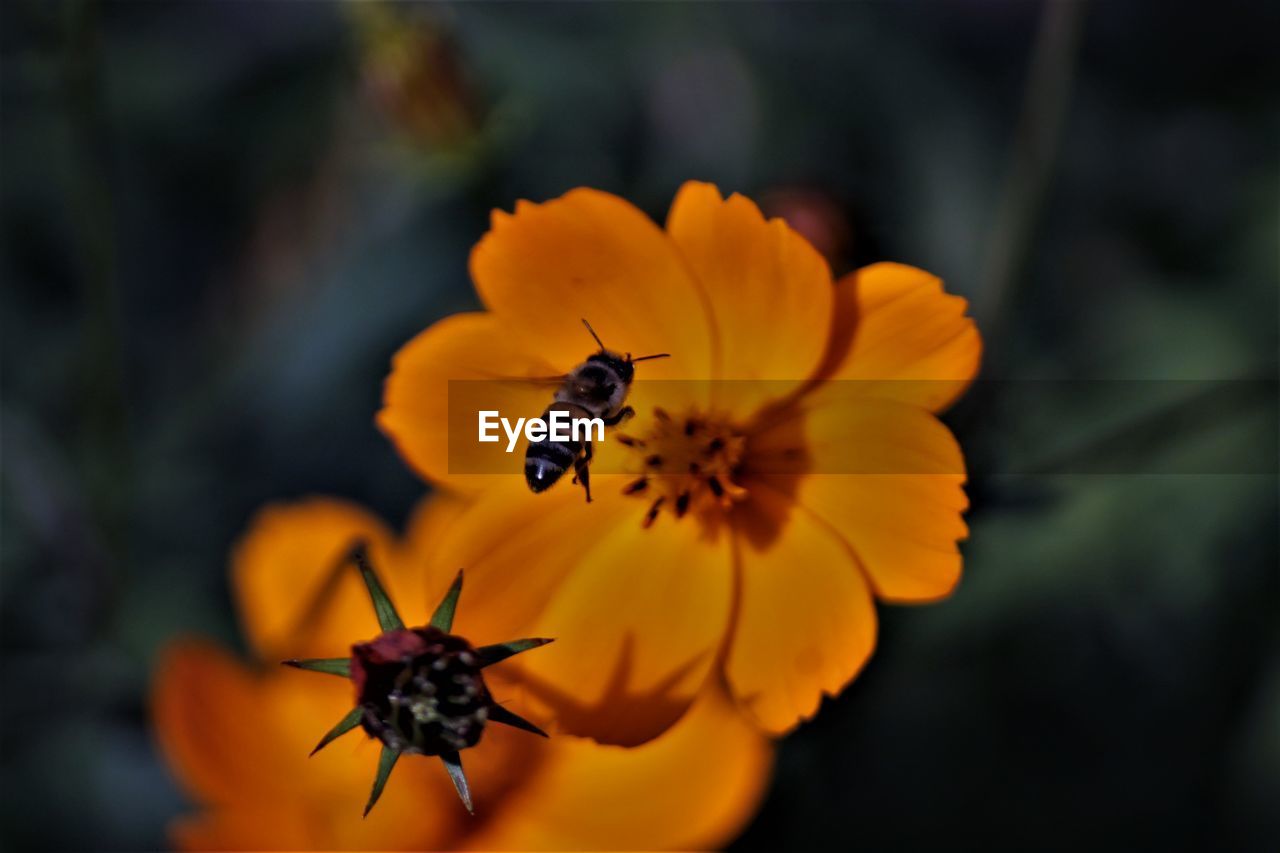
column 221, row 219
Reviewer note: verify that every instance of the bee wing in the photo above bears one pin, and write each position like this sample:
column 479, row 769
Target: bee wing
column 487, row 394
column 538, row 381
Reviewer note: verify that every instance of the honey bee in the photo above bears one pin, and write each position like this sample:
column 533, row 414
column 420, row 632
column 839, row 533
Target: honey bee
column 597, row 388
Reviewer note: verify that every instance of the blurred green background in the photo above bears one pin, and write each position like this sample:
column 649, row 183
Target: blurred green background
column 221, row 219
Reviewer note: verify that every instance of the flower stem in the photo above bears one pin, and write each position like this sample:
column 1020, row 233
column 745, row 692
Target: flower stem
column 1044, row 106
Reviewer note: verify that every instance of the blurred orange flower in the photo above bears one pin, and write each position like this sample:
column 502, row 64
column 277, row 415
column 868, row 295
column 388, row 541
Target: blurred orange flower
column 412, row 71
column 238, row 734
column 786, row 464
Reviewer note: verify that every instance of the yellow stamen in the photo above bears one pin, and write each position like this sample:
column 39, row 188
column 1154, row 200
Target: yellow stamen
column 687, row 464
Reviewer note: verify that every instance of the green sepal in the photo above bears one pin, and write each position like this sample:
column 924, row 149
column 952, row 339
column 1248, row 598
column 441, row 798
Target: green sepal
column 489, row 655
column 443, row 617
column 388, row 618
column 346, row 724
column 386, row 763
column 499, row 714
column 453, row 763
column 328, row 666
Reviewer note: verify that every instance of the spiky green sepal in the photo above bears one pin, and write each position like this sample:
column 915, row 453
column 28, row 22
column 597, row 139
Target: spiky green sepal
column 453, row 763
column 328, row 666
column 443, row 617
column 346, row 724
column 499, row 714
column 388, row 618
column 386, row 763
column 489, row 655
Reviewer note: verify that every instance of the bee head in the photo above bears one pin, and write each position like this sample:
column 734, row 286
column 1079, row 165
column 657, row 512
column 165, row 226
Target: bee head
column 621, row 366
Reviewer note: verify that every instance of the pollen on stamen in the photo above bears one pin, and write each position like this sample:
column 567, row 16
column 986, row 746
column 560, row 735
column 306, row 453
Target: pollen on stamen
column 652, row 514
column 684, row 456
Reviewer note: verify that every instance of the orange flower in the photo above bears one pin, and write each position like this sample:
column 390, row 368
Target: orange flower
column 238, row 734
column 785, row 465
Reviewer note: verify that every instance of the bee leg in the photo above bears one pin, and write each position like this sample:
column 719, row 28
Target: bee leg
column 582, row 470
column 626, row 413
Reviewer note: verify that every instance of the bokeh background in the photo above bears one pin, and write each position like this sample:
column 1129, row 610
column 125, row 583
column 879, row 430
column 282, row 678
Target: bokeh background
column 220, row 220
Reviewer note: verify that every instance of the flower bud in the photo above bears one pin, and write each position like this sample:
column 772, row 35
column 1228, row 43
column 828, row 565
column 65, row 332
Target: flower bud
column 421, row 690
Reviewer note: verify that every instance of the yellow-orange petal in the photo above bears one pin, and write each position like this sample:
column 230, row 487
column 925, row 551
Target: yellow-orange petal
column 517, row 548
column 637, row 614
column 301, row 822
column 247, row 829
column 805, row 622
column 897, row 334
column 770, row 291
column 444, row 377
column 593, row 255
column 204, row 707
column 430, row 522
column 422, row 575
column 295, row 597
column 234, row 734
column 693, row 788
column 888, row 478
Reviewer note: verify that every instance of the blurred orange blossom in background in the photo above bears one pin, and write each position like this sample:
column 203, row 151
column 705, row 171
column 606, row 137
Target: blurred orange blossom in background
column 413, row 73
column 785, row 466
column 238, row 733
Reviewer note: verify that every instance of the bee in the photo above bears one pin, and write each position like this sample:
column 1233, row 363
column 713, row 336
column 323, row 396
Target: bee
column 597, row 388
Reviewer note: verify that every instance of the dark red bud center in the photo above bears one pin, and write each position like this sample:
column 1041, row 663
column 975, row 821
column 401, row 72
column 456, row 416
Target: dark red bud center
column 421, row 690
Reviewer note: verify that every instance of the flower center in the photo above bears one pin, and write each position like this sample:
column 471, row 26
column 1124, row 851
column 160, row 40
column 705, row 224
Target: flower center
column 686, row 465
column 422, row 690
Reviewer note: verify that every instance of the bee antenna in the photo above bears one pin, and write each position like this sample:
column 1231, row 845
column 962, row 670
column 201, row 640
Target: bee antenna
column 648, row 357
column 593, row 333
